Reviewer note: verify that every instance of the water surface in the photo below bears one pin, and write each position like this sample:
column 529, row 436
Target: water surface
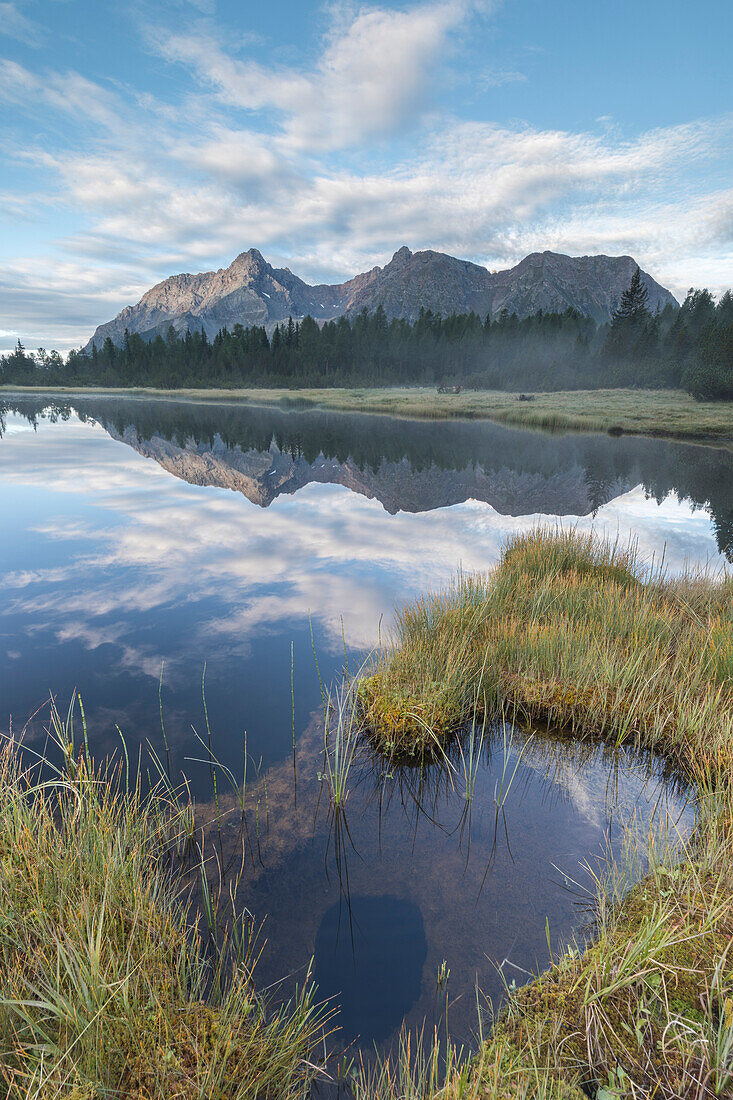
column 140, row 535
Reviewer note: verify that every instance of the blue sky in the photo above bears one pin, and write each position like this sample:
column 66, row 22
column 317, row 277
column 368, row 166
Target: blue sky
column 142, row 139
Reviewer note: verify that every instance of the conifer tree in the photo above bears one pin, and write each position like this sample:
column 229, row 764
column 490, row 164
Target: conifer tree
column 629, row 320
column 633, row 304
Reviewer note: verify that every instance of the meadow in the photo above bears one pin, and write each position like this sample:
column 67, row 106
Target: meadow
column 669, row 413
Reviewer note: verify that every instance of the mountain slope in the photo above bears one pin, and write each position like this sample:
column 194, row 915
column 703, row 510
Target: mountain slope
column 251, row 292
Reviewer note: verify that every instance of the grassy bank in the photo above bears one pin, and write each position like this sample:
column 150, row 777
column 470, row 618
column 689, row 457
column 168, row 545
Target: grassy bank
column 574, row 632
column 643, row 412
column 108, row 989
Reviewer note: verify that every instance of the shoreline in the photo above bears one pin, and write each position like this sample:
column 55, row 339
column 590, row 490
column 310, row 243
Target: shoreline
column 577, row 633
column 669, row 414
column 569, row 630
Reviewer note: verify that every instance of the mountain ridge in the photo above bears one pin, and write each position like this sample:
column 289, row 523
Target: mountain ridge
column 253, row 292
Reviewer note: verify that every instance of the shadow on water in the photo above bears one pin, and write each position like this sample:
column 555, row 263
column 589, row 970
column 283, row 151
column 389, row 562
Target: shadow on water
column 430, row 890
column 369, row 959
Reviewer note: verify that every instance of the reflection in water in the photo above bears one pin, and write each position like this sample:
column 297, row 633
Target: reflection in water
column 110, row 566
column 469, row 894
column 369, row 957
column 407, row 465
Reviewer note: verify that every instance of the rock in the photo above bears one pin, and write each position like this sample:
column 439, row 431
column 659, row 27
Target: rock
column 251, row 292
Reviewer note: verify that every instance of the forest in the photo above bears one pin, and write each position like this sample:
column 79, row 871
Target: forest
column 689, row 348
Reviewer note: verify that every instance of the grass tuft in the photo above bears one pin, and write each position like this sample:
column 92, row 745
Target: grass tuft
column 569, row 630
column 107, row 987
column 577, row 632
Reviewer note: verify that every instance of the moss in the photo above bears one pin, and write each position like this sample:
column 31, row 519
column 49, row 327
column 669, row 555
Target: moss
column 398, row 721
column 587, row 1020
column 569, row 630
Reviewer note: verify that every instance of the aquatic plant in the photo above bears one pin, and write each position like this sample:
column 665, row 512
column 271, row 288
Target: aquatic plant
column 340, row 742
column 107, row 988
column 585, row 636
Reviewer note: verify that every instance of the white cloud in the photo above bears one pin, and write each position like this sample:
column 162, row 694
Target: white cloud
column 373, row 74
column 69, row 93
column 496, row 78
column 260, row 155
column 13, row 24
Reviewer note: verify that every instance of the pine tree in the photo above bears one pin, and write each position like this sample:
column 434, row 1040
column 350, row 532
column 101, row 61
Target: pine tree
column 629, row 320
column 724, row 310
column 633, row 301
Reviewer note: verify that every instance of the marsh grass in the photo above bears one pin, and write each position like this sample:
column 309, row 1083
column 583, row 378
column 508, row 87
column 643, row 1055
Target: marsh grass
column 582, row 634
column 341, row 741
column 108, row 986
column 648, row 412
column 111, row 986
column 572, row 631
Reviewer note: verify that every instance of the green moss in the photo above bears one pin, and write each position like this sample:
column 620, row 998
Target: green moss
column 570, row 630
column 398, row 721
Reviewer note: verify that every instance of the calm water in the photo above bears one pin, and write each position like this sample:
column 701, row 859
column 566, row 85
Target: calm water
column 139, row 534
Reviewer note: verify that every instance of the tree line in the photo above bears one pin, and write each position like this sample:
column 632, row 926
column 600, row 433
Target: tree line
column 689, row 347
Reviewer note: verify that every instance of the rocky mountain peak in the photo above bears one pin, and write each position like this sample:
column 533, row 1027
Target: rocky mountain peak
column 401, row 256
column 251, row 292
column 251, row 260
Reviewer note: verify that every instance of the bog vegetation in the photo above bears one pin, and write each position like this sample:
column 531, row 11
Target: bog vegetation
column 110, row 987
column 690, row 347
column 568, row 630
column 580, row 634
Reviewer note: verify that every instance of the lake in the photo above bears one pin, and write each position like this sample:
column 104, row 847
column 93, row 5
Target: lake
column 159, row 552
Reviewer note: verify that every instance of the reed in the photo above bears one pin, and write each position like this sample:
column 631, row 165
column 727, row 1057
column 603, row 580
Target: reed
column 341, row 739
column 583, row 634
column 108, row 988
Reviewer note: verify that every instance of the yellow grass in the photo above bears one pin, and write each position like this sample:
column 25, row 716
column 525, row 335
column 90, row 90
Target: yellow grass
column 107, row 987
column 646, row 412
column 576, row 632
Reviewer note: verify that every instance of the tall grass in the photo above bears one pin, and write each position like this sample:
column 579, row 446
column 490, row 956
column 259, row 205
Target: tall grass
column 107, row 987
column 579, row 633
column 570, row 630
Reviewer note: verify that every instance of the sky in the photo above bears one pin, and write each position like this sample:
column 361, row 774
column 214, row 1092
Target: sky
column 141, row 139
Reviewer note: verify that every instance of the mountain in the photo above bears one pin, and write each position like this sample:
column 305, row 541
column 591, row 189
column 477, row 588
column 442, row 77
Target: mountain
column 252, row 292
column 399, row 486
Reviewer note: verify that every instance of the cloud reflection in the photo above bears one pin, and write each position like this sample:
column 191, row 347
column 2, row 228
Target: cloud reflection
column 133, row 540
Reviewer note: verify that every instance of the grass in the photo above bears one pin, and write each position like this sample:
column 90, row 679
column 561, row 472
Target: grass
column 578, row 632
column 568, row 630
column 669, row 413
column 107, row 987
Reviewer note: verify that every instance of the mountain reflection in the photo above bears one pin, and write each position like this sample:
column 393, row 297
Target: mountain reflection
column 407, row 465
